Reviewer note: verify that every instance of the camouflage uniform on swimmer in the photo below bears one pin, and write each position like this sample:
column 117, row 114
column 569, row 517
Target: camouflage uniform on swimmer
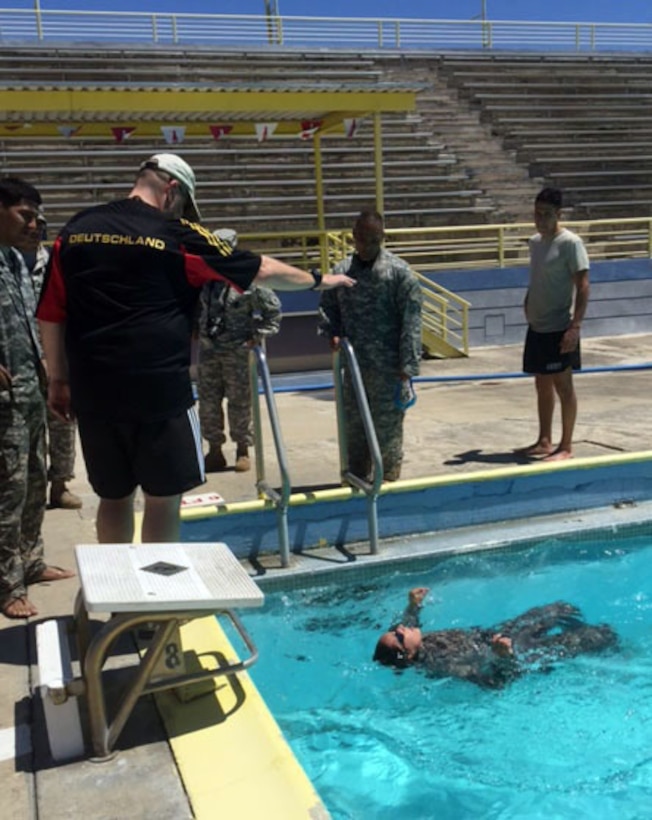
column 228, row 322
column 381, row 317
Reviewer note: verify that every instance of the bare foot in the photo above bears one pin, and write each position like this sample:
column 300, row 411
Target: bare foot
column 541, row 448
column 559, row 455
column 50, row 573
column 19, row 608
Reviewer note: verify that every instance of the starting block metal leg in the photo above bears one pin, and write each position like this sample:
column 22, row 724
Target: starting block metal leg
column 103, row 734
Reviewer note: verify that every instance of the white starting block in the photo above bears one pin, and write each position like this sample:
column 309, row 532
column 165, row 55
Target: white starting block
column 60, row 707
column 161, row 586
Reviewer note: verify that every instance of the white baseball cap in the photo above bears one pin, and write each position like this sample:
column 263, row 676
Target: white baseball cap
column 178, row 169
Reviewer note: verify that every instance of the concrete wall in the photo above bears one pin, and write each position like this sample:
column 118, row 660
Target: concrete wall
column 339, row 517
column 620, row 303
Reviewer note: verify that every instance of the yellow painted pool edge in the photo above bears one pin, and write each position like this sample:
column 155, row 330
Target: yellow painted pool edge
column 239, row 768
column 412, row 484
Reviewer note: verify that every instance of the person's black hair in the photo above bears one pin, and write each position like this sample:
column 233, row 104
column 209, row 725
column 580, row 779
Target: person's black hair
column 370, row 216
column 14, row 190
column 551, row 196
column 390, row 656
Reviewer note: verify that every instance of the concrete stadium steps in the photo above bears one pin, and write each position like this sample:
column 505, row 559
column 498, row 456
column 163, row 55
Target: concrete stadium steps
column 270, row 186
column 193, row 66
column 580, row 122
column 489, row 130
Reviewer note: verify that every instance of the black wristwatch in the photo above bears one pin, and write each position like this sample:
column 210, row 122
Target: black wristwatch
column 316, row 275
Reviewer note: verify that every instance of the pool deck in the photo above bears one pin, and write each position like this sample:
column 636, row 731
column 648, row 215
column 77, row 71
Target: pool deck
column 456, row 426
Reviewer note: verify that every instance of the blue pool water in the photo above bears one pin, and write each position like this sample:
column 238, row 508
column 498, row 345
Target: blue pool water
column 573, row 743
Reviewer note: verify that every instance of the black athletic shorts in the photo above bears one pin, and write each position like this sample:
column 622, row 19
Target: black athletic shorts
column 541, row 354
column 163, row 457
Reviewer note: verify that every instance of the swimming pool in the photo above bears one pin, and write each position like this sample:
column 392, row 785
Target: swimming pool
column 574, row 743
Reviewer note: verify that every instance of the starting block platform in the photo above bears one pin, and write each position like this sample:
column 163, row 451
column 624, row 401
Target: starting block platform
column 157, row 586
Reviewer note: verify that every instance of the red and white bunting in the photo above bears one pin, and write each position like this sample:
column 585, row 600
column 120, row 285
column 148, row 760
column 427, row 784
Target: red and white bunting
column 173, row 134
column 309, row 128
column 350, row 127
column 219, row 131
column 121, row 132
column 68, row 130
column 264, row 130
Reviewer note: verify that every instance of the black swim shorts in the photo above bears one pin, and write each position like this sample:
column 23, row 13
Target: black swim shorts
column 541, row 354
column 163, row 457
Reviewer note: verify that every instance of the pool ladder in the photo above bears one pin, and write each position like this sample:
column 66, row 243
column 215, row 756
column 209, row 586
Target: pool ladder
column 370, row 489
column 259, row 370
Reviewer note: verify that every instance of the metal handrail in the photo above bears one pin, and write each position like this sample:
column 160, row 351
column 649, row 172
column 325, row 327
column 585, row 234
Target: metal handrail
column 372, row 489
column 337, row 33
column 461, row 247
column 258, row 369
column 445, row 313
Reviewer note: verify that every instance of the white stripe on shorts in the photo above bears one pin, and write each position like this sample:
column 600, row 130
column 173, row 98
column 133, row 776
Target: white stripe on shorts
column 196, row 434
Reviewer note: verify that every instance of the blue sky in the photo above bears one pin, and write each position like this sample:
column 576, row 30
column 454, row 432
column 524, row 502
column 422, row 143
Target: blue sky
column 626, row 11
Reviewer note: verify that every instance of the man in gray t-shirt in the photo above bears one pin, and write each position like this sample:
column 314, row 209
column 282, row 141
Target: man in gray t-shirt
column 555, row 305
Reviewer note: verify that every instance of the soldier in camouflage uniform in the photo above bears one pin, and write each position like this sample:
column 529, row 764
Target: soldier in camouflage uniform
column 60, row 434
column 381, row 317
column 22, row 412
column 493, row 657
column 229, row 324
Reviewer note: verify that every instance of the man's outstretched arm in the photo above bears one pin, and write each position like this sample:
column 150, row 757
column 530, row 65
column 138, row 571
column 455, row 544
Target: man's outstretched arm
column 280, row 276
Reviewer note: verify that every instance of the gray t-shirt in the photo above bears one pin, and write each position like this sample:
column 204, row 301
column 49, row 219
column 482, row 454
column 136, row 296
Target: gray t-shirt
column 553, row 264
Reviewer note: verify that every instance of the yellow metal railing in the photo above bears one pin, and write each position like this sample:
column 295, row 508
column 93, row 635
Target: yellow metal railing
column 444, row 320
column 471, row 247
column 333, row 32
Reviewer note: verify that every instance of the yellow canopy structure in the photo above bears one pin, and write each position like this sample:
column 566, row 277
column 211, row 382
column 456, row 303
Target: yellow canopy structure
column 268, row 110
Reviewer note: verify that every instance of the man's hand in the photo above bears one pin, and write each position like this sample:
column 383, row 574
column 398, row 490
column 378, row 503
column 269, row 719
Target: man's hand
column 416, row 596
column 5, row 378
column 570, row 339
column 335, row 342
column 59, row 400
column 335, row 280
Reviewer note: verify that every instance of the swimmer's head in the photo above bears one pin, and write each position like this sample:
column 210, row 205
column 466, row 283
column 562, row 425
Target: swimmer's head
column 399, row 646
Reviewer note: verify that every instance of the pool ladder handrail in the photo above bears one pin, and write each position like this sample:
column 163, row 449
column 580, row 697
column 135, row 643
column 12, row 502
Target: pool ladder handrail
column 371, row 490
column 258, row 369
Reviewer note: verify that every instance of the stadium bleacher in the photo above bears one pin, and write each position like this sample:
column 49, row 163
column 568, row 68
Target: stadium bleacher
column 489, row 130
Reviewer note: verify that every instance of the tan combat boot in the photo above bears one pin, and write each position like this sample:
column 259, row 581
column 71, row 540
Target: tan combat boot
column 62, row 498
column 242, row 463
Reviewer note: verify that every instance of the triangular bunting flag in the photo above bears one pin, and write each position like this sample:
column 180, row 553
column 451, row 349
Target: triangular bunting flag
column 68, row 130
column 121, row 132
column 264, row 130
column 219, row 131
column 350, row 127
column 309, row 128
column 173, row 134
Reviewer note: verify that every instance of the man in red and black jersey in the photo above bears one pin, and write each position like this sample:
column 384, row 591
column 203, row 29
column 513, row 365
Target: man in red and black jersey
column 116, row 317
